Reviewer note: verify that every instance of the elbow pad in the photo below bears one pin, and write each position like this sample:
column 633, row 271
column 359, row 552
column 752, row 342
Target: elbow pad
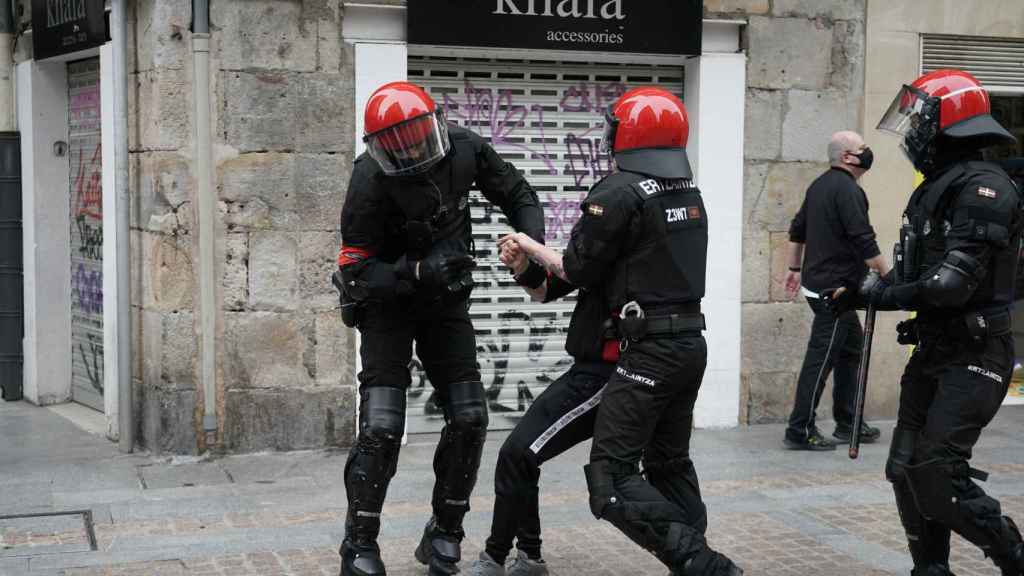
column 954, row 282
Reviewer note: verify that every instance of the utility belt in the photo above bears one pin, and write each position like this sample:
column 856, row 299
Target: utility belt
column 635, row 323
column 976, row 326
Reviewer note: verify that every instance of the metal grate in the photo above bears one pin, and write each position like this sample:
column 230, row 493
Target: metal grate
column 85, row 155
column 45, row 533
column 547, row 119
column 996, row 62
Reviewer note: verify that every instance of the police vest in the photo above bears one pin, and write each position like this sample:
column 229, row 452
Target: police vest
column 665, row 260
column 928, row 220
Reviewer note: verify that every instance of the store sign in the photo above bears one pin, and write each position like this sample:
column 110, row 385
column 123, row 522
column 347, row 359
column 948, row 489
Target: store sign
column 640, row 26
column 65, row 26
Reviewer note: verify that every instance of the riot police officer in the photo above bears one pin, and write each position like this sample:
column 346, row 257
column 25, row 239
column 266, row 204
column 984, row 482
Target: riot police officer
column 641, row 247
column 405, row 274
column 955, row 266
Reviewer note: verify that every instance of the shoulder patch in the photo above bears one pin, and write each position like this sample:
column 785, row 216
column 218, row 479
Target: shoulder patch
column 987, row 192
column 595, row 209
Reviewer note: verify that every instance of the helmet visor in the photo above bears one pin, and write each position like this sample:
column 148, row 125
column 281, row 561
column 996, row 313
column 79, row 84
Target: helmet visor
column 908, row 111
column 610, row 125
column 410, row 147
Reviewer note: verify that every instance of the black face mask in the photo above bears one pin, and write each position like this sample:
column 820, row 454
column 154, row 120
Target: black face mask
column 866, row 157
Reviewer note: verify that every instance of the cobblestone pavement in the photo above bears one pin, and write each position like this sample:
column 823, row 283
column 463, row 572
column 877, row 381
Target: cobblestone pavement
column 775, row 512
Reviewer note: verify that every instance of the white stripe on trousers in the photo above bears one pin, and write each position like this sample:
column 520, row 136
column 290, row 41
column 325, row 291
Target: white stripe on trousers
column 565, row 420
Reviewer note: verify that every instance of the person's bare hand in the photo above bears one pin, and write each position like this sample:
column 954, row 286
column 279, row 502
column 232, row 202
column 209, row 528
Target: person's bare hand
column 792, row 284
column 513, row 257
column 525, row 243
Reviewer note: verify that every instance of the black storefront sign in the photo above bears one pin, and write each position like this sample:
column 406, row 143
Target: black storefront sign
column 638, row 26
column 65, row 26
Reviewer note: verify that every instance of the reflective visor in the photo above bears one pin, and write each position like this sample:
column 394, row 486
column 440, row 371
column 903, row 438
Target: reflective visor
column 909, row 110
column 410, row 147
column 611, row 123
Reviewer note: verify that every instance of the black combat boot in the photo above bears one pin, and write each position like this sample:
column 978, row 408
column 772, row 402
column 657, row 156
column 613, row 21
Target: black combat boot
column 361, row 559
column 1012, row 563
column 709, row 563
column 439, row 550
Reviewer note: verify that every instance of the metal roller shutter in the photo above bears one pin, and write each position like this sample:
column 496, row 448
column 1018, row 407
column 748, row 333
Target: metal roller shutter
column 547, row 119
column 86, row 232
column 996, row 62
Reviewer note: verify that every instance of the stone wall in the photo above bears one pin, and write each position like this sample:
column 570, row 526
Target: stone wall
column 282, row 126
column 804, row 82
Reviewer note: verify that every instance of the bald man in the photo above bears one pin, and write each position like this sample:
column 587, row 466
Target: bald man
column 831, row 243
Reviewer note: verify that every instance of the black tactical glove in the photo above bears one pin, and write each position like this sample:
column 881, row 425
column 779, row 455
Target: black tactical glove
column 872, row 288
column 436, row 274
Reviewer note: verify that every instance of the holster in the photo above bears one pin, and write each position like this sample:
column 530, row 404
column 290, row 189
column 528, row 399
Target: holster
column 632, row 322
column 906, row 332
column 350, row 307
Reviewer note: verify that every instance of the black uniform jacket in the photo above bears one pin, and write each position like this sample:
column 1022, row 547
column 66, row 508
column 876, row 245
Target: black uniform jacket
column 639, row 239
column 978, row 213
column 385, row 218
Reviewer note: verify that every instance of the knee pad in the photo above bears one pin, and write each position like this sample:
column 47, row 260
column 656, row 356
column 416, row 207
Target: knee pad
column 381, row 418
column 467, row 407
column 601, row 476
column 901, row 452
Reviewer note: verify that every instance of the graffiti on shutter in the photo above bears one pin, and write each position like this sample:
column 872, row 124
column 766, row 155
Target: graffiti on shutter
column 85, row 156
column 547, row 118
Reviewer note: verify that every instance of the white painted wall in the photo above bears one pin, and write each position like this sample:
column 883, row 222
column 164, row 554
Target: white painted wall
column 376, row 65
column 715, row 99
column 42, row 120
column 110, row 240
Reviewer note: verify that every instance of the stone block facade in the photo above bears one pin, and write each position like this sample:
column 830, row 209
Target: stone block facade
column 282, row 119
column 805, row 80
column 282, row 124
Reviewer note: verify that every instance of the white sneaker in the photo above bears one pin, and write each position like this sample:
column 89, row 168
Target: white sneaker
column 485, row 566
column 523, row 565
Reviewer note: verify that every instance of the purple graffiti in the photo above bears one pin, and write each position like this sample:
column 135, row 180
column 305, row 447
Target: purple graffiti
column 495, row 114
column 502, row 118
column 87, row 288
column 592, row 97
column 560, row 216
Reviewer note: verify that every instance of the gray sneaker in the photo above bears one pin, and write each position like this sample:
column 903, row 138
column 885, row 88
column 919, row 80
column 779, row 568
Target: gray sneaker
column 485, row 566
column 523, row 565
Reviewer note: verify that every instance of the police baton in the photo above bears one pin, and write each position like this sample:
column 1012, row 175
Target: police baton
column 862, row 381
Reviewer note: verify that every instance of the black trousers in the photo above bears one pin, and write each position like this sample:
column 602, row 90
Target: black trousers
column 835, row 344
column 446, row 344
column 951, row 389
column 646, row 417
column 560, row 418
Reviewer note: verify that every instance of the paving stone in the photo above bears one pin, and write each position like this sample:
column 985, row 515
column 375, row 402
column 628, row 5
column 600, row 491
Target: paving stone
column 776, row 513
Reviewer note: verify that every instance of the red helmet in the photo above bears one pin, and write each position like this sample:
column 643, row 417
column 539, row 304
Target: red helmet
column 405, row 131
column 646, row 131
column 948, row 102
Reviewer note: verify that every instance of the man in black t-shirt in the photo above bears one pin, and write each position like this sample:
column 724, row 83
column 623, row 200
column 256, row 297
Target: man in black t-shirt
column 831, row 244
